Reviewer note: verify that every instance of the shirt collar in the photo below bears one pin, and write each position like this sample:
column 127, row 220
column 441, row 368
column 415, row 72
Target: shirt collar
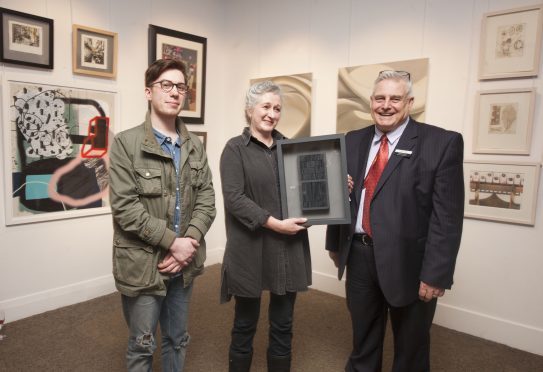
column 392, row 136
column 246, row 135
column 161, row 138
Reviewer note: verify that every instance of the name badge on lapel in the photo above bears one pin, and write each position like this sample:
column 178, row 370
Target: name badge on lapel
column 403, row 153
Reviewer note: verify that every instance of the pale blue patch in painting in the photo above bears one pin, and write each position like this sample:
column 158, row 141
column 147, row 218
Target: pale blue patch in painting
column 36, row 186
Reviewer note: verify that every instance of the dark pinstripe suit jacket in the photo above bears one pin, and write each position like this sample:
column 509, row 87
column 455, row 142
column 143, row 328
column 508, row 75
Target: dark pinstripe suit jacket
column 416, row 211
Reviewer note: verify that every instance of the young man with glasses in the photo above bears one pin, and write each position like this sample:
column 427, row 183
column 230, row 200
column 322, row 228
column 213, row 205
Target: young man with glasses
column 407, row 209
column 162, row 203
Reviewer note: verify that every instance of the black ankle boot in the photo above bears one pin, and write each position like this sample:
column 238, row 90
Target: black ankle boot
column 279, row 363
column 239, row 362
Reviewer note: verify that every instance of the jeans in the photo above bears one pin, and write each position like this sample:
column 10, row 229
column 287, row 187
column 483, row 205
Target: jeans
column 144, row 312
column 280, row 314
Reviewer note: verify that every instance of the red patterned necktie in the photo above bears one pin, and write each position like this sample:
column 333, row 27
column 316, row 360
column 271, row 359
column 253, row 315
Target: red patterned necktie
column 371, row 180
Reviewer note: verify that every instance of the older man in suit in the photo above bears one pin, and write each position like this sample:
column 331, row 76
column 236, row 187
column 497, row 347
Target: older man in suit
column 407, row 211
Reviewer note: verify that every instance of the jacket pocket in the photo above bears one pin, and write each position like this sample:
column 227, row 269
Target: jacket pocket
column 133, row 263
column 149, row 181
column 196, row 173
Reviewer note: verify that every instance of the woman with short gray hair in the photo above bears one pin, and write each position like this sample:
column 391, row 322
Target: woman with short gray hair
column 264, row 252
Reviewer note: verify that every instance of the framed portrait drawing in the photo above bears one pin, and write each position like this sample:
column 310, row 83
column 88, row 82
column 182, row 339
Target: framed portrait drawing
column 191, row 49
column 56, row 151
column 94, row 52
column 313, row 179
column 202, row 136
column 503, row 121
column 26, row 39
column 511, row 43
column 498, row 191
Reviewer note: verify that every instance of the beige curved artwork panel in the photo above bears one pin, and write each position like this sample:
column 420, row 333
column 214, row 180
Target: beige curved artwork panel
column 355, row 86
column 296, row 111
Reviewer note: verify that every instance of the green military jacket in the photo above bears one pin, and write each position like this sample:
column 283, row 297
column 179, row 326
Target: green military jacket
column 142, row 182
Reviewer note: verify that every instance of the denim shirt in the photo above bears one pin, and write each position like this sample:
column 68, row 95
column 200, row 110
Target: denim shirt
column 174, row 150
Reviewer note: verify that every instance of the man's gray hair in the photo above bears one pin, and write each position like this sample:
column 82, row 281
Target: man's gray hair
column 256, row 91
column 395, row 75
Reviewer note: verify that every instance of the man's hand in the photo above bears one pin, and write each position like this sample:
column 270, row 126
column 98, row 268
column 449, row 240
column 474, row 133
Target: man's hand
column 290, row 226
column 427, row 292
column 350, row 183
column 183, row 249
column 335, row 257
column 169, row 265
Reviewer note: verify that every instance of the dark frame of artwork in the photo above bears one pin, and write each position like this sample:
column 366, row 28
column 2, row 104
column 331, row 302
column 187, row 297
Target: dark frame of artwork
column 202, row 136
column 26, row 39
column 191, row 49
column 102, row 59
column 313, row 179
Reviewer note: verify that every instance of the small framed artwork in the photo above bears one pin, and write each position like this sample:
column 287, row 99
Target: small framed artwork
column 94, row 52
column 312, row 179
column 504, row 192
column 26, row 39
column 191, row 49
column 503, row 121
column 511, row 43
column 202, row 136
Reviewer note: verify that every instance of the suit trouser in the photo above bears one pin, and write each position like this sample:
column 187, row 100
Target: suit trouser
column 369, row 312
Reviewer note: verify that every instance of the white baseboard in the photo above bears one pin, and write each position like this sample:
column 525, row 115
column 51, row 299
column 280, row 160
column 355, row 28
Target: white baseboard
column 40, row 302
column 503, row 331
column 513, row 334
column 328, row 283
column 516, row 335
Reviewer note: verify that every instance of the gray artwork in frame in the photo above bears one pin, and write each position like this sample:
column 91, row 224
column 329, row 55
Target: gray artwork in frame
column 313, row 179
column 26, row 39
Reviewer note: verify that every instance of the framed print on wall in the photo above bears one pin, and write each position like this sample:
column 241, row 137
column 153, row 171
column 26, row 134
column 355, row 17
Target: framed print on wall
column 56, row 151
column 26, row 39
column 191, row 49
column 511, row 43
column 503, row 121
column 94, row 52
column 498, row 191
column 202, row 136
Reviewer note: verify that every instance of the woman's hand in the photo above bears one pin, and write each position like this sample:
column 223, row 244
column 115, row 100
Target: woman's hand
column 350, row 183
column 290, row 226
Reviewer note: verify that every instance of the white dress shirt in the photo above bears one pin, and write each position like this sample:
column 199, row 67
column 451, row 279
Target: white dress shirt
column 393, row 137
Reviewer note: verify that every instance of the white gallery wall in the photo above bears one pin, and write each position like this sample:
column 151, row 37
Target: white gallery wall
column 497, row 292
column 51, row 264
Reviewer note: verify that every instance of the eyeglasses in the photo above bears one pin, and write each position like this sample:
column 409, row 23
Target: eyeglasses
column 403, row 74
column 167, row 86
